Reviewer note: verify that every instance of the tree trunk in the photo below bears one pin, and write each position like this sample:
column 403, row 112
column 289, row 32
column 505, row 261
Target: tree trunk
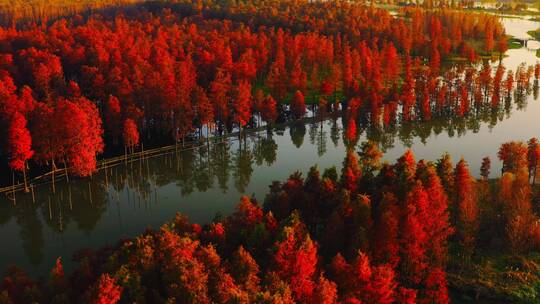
column 53, row 171
column 90, row 193
column 534, row 175
column 208, row 136
column 240, row 133
column 24, row 177
column 106, row 178
column 13, row 188
column 66, row 170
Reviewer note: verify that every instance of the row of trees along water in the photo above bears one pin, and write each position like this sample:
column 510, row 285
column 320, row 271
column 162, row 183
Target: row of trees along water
column 161, row 75
column 201, row 169
column 372, row 233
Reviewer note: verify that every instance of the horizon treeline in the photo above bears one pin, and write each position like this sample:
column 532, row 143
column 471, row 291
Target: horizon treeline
column 15, row 13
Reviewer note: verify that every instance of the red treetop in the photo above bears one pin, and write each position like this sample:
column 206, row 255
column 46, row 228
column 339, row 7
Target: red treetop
column 106, row 291
column 244, row 269
column 362, row 282
column 112, row 116
column 467, row 206
column 58, row 270
column 414, row 239
column 20, row 142
column 268, row 109
column 296, row 262
column 351, row 131
column 131, row 134
column 242, row 103
column 298, row 105
column 325, row 293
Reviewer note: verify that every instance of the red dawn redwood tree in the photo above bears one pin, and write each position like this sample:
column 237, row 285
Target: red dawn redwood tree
column 437, row 221
column 377, row 283
column 20, row 145
column 244, row 270
column 220, row 95
column 386, row 243
column 113, row 118
column 242, row 104
column 106, row 291
column 362, row 282
column 445, row 170
column 414, row 237
column 489, row 42
column 8, row 102
column 435, row 60
column 514, row 156
column 502, row 46
column 327, row 87
column 246, row 66
column 298, row 105
column 467, row 208
column 73, row 90
column 351, row 134
column 47, row 142
column 406, row 170
column 204, row 110
column 325, row 292
column 131, row 134
column 70, row 132
column 351, row 171
column 392, row 63
column 408, row 96
column 276, row 81
column 58, row 282
column 26, row 103
column 296, row 261
column 298, row 76
column 436, row 287
column 533, row 155
column 82, row 155
column 269, row 110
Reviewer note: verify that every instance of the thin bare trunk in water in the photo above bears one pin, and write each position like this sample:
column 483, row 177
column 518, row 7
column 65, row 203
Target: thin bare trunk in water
column 24, row 177
column 13, row 188
column 53, row 171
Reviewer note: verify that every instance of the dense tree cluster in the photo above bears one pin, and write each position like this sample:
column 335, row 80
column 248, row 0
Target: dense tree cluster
column 166, row 74
column 372, row 233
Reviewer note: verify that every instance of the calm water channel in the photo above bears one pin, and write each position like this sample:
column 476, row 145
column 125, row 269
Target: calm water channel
column 201, row 183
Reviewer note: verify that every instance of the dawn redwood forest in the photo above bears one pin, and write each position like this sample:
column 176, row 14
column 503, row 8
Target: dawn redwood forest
column 144, row 158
